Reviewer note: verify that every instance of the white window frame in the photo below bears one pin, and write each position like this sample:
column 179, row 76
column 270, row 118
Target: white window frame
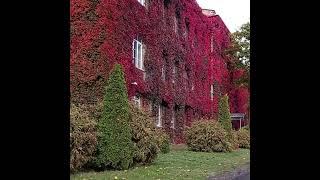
column 175, row 24
column 137, row 58
column 173, row 120
column 211, row 92
column 159, row 118
column 142, row 2
column 137, row 101
column 174, row 71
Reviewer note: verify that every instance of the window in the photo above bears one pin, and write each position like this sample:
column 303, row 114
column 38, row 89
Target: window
column 137, row 54
column 142, row 2
column 173, row 119
column 185, row 80
column 137, row 101
column 189, row 79
column 163, row 73
column 174, row 74
column 175, row 24
column 211, row 92
column 166, row 3
column 187, row 22
column 150, row 106
column 165, row 65
column 160, row 114
column 211, row 43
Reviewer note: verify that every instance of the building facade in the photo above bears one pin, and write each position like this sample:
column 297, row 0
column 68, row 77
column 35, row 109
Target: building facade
column 172, row 52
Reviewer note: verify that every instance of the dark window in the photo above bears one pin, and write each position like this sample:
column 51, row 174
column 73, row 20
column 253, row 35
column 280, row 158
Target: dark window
column 166, row 3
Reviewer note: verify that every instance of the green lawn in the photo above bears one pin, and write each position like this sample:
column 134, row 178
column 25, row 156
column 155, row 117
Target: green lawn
column 178, row 164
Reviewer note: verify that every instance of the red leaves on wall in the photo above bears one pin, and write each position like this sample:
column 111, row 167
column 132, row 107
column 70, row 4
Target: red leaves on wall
column 102, row 32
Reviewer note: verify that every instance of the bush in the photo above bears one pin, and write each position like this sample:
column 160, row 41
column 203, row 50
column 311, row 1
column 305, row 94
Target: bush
column 96, row 110
column 83, row 138
column 225, row 116
column 144, row 136
column 163, row 141
column 207, row 136
column 246, row 127
column 234, row 140
column 115, row 148
column 243, row 138
column 144, row 141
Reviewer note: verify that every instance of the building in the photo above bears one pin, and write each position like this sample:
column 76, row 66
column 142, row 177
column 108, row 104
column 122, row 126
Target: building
column 209, row 12
column 172, row 52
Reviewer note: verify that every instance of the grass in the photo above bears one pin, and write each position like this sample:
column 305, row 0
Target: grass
column 178, row 164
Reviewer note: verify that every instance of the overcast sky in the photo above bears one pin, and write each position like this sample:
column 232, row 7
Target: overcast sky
column 234, row 13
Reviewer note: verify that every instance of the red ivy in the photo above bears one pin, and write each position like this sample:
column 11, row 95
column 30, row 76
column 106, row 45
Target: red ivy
column 102, row 32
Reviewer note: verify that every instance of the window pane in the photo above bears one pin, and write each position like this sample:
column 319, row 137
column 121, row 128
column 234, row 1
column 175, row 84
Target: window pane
column 211, row 92
column 163, row 73
column 159, row 116
column 136, row 54
column 173, row 119
column 139, row 55
column 137, row 101
column 134, row 51
column 142, row 54
column 135, row 48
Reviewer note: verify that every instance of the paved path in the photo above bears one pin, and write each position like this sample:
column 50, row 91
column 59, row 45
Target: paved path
column 241, row 173
column 245, row 176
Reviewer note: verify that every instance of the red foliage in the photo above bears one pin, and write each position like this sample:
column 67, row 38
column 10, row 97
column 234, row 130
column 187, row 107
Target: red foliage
column 102, row 32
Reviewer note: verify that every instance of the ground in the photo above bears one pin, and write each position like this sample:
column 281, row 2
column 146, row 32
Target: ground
column 178, row 164
column 240, row 173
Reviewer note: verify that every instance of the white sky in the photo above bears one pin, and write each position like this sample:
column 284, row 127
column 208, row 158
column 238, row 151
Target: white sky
column 234, row 13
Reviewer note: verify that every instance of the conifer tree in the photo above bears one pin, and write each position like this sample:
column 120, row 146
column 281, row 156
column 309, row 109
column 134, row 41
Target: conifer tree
column 224, row 115
column 115, row 148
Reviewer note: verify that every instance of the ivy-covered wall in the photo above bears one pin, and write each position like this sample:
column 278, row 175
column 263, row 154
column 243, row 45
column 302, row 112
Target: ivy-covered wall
column 175, row 34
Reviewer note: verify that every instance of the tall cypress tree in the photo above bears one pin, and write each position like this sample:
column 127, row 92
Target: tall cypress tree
column 224, row 115
column 115, row 148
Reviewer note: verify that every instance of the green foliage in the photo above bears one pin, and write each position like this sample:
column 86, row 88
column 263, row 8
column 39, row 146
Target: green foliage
column 247, row 128
column 83, row 138
column 225, row 116
column 234, row 140
column 144, row 136
column 207, row 136
column 115, row 148
column 178, row 165
column 242, row 41
column 163, row 141
column 239, row 51
column 244, row 138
